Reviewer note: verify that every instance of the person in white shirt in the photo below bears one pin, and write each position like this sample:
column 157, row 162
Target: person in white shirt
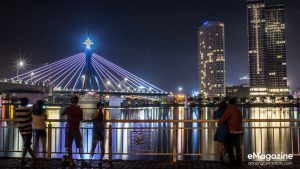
column 39, row 127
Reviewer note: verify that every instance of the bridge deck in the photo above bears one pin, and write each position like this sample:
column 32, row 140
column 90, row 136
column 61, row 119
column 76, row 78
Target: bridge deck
column 117, row 93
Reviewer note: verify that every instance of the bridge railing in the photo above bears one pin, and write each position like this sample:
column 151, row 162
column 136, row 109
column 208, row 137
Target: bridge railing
column 170, row 139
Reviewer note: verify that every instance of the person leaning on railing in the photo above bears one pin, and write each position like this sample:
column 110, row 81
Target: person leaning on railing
column 98, row 119
column 233, row 118
column 74, row 116
column 39, row 118
column 220, row 135
column 23, row 116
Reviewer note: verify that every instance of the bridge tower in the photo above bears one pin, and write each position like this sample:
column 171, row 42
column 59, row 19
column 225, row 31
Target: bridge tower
column 88, row 77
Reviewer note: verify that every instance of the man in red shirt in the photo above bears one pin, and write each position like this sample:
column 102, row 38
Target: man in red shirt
column 74, row 116
column 233, row 118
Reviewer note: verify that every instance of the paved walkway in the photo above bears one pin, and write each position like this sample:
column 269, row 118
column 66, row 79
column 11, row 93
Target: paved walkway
column 118, row 164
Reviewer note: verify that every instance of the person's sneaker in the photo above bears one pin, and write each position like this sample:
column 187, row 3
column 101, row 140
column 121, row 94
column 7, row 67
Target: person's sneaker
column 83, row 163
column 23, row 163
column 100, row 164
column 221, row 158
column 35, row 163
column 71, row 163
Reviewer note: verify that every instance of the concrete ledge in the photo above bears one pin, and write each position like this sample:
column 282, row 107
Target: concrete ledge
column 143, row 164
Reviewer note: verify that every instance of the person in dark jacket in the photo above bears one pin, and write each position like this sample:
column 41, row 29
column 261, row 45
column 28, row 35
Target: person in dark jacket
column 233, row 118
column 221, row 130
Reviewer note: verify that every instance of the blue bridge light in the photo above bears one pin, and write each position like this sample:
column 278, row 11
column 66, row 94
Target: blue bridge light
column 205, row 23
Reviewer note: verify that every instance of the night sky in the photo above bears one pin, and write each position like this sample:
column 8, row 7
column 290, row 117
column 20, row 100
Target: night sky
column 156, row 40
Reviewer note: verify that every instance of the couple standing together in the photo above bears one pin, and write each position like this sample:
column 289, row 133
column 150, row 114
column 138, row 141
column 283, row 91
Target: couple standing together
column 31, row 121
column 229, row 131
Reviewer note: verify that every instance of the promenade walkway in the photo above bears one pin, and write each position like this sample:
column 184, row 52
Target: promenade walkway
column 119, row 164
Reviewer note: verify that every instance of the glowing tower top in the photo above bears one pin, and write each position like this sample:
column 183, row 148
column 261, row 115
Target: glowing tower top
column 88, row 43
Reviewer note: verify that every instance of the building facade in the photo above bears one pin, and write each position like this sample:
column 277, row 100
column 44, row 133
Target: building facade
column 266, row 49
column 211, row 59
column 241, row 91
column 298, row 93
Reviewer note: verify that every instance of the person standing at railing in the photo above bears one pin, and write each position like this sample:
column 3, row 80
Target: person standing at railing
column 222, row 129
column 39, row 118
column 233, row 117
column 74, row 116
column 23, row 116
column 98, row 119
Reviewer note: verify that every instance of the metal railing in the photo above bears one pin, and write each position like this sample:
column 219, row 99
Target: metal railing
column 171, row 138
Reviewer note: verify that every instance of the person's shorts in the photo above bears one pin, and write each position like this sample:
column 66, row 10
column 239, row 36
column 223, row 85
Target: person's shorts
column 74, row 135
column 98, row 135
column 27, row 140
column 38, row 133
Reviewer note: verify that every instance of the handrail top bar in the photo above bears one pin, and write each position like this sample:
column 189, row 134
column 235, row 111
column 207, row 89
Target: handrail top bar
column 171, row 121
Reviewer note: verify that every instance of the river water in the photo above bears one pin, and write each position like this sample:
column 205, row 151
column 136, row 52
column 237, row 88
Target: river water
column 194, row 140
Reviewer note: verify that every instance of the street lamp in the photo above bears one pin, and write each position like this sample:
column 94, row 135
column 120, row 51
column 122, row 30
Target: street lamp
column 31, row 75
column 21, row 63
column 83, row 80
column 108, row 83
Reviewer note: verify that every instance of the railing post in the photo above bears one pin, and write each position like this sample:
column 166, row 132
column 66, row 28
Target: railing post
column 49, row 141
column 242, row 147
column 110, row 143
column 174, row 145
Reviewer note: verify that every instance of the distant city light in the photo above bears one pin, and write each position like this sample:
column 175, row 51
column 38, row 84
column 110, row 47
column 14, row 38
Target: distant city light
column 180, row 89
column 195, row 93
column 244, row 78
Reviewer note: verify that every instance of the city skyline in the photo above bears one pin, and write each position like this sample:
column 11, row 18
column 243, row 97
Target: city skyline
column 164, row 35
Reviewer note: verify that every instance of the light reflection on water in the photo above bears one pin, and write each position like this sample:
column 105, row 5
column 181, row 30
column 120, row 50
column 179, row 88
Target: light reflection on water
column 158, row 136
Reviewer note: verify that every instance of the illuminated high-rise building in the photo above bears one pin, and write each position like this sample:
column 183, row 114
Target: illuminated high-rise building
column 266, row 49
column 211, row 59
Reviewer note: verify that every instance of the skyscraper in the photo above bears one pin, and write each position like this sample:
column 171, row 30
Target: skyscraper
column 266, row 49
column 211, row 59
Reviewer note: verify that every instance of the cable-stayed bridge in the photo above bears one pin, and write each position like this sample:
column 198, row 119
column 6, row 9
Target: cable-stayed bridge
column 88, row 72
